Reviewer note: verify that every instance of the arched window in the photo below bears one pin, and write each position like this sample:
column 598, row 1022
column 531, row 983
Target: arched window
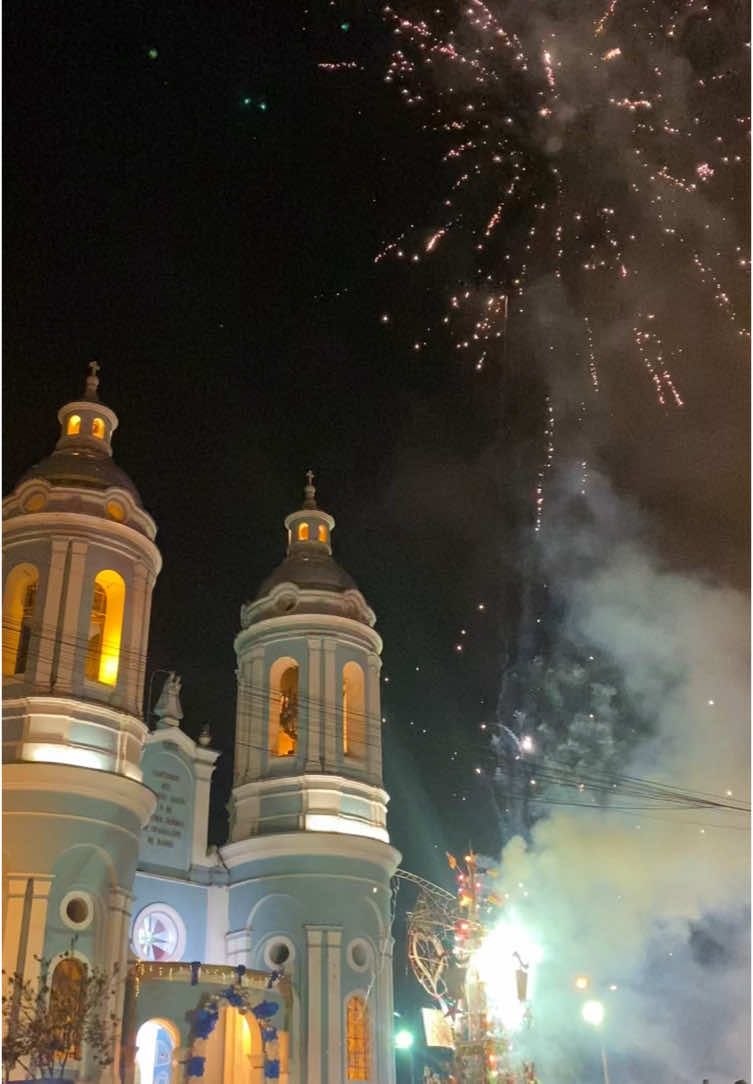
column 105, row 627
column 354, row 711
column 283, row 707
column 321, row 532
column 98, row 428
column 358, row 1039
column 156, row 1041
column 74, row 425
column 67, row 999
column 20, row 600
column 303, row 532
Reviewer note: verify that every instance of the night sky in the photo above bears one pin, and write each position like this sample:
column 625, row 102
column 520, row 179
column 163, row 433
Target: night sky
column 196, row 204
column 194, row 245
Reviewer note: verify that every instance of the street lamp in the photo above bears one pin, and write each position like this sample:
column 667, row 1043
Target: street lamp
column 593, row 1013
column 404, row 1043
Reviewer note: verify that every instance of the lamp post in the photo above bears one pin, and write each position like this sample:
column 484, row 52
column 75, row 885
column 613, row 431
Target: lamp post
column 593, row 1013
column 404, row 1043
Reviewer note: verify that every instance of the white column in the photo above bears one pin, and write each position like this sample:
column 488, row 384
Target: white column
column 314, row 709
column 69, row 633
column 329, row 719
column 133, row 645
column 215, row 946
column 203, row 767
column 257, row 714
column 51, row 611
column 314, row 937
column 146, row 614
column 116, row 953
column 334, row 1008
column 374, row 719
column 37, row 926
column 384, row 1023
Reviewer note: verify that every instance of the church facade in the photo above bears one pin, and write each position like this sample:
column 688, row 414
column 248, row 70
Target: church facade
column 267, row 958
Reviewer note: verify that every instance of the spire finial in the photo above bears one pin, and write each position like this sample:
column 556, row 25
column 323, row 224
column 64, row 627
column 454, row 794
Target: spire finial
column 309, row 491
column 92, row 380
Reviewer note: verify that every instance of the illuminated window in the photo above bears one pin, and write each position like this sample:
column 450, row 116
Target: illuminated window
column 98, row 428
column 303, row 532
column 283, row 713
column 67, row 1000
column 354, row 710
column 74, row 425
column 357, row 1025
column 105, row 628
column 321, row 533
column 20, row 599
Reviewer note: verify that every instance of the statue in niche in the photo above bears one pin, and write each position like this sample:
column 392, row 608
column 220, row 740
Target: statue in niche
column 289, row 717
column 168, row 708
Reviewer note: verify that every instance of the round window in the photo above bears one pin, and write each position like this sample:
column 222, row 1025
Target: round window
column 359, row 954
column 35, row 502
column 159, row 934
column 77, row 910
column 115, row 510
column 278, row 952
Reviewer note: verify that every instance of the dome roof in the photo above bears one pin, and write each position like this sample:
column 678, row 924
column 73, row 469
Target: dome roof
column 69, row 468
column 317, row 571
column 83, row 454
column 316, row 584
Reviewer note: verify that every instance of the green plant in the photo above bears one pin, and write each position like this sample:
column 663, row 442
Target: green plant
column 58, row 1018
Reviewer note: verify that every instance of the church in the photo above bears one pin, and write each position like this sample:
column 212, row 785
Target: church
column 269, row 957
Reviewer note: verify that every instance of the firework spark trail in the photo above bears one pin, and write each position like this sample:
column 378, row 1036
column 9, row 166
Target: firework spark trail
column 470, row 63
column 647, row 340
column 592, row 367
column 545, row 467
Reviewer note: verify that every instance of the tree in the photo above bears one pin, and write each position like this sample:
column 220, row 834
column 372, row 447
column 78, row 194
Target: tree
column 58, row 1018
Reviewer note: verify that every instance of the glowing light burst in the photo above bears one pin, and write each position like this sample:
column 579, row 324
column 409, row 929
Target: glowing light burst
column 506, row 964
column 571, row 155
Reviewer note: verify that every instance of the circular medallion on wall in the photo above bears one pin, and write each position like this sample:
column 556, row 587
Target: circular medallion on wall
column 159, row 934
column 77, row 910
column 360, row 954
column 278, row 952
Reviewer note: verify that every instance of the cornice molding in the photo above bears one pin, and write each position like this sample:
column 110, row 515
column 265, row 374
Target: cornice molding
column 311, row 844
column 67, row 779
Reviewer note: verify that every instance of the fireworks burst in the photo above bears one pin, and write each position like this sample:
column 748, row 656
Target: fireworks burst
column 594, row 153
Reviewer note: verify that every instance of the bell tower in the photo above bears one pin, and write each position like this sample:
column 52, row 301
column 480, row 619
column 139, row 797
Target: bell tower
column 79, row 567
column 309, row 855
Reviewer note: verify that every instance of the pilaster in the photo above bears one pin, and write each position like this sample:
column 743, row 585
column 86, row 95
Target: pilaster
column 314, row 738
column 314, row 999
column 69, row 633
column 51, row 611
column 331, row 698
column 335, row 1058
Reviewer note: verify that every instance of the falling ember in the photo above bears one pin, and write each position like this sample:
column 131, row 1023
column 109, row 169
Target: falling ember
column 435, row 239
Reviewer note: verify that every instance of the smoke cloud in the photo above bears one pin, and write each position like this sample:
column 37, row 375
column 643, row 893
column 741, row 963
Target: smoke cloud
column 648, row 899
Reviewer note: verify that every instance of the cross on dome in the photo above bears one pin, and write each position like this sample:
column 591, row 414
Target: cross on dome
column 92, row 381
column 309, row 491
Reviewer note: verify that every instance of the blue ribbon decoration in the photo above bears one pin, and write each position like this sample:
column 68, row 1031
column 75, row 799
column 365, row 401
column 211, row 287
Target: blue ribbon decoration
column 195, row 1065
column 264, row 1010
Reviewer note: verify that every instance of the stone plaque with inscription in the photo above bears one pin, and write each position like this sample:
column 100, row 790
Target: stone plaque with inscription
column 166, row 840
